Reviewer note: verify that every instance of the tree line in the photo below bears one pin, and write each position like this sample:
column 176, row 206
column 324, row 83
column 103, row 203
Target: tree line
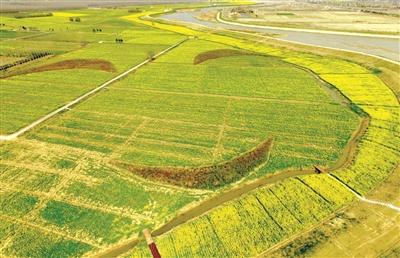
column 31, row 57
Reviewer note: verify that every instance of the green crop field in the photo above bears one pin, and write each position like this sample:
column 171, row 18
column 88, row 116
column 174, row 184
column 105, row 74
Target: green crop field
column 176, row 113
column 256, row 221
column 70, row 42
column 212, row 145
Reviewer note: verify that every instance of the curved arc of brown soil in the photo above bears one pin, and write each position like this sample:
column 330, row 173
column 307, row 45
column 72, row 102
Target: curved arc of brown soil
column 94, row 64
column 205, row 177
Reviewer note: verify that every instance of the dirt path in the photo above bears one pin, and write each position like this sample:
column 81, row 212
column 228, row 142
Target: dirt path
column 363, row 199
column 23, row 130
column 28, row 36
column 219, row 148
column 388, row 205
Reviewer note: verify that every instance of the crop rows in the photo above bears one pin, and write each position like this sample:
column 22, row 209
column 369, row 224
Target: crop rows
column 70, row 197
column 156, row 117
column 256, row 221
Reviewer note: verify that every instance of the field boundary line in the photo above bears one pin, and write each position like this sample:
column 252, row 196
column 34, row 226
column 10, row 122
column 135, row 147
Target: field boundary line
column 224, row 96
column 28, row 36
column 67, row 106
column 219, row 145
column 361, row 34
column 78, row 202
column 49, row 230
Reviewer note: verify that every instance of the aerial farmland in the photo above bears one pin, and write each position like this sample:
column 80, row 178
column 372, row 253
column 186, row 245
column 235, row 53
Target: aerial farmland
column 196, row 129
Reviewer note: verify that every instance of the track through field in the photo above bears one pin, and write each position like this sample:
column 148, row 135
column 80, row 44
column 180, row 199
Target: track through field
column 363, row 199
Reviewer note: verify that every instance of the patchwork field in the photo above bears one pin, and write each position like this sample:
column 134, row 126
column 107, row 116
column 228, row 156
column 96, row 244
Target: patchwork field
column 213, row 119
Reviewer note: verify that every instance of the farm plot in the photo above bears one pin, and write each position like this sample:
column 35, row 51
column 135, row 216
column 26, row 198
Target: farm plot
column 32, row 90
column 256, row 221
column 73, row 202
column 174, row 113
column 378, row 150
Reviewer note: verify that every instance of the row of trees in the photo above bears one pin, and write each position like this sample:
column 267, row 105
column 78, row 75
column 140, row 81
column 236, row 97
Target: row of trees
column 97, row 30
column 135, row 10
column 74, row 19
column 31, row 57
column 32, row 15
column 119, row 40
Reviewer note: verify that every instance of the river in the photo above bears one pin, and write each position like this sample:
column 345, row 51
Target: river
column 387, row 48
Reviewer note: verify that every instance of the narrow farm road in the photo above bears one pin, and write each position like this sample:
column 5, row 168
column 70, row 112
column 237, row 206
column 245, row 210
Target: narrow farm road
column 69, row 105
column 27, row 36
column 363, row 199
column 388, row 205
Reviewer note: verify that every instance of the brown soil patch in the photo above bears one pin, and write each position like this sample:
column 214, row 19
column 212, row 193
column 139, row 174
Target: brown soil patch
column 218, row 53
column 95, row 64
column 206, row 177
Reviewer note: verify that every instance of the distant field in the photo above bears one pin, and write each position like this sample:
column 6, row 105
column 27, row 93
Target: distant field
column 18, row 5
column 354, row 21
